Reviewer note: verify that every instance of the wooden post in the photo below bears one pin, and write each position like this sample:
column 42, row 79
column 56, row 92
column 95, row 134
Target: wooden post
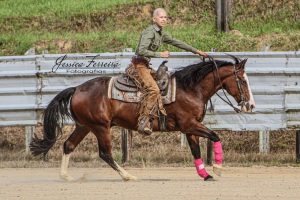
column 264, row 141
column 209, row 152
column 126, row 144
column 29, row 131
column 223, row 9
column 298, row 146
column 218, row 15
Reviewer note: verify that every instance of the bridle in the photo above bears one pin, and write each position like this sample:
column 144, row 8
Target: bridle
column 241, row 90
column 238, row 82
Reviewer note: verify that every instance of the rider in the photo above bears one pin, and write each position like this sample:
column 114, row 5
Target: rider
column 150, row 41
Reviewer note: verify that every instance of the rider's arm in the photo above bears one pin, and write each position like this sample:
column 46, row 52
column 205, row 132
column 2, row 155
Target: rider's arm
column 177, row 43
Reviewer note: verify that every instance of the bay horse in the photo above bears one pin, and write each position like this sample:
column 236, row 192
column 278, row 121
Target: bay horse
column 91, row 109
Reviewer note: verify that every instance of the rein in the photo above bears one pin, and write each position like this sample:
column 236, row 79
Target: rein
column 227, row 100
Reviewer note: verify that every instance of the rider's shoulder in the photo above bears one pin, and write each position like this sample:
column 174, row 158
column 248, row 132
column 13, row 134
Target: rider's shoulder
column 149, row 29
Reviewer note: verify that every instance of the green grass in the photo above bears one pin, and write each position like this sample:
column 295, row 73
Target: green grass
column 81, row 42
column 110, row 26
column 258, row 27
column 58, row 8
column 201, row 36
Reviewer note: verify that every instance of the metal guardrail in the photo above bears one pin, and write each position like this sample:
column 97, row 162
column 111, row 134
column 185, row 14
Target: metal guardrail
column 28, row 83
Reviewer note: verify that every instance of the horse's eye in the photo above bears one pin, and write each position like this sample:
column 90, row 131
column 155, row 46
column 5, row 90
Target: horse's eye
column 244, row 82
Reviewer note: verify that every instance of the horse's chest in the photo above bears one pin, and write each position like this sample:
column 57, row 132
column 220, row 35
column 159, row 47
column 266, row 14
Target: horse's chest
column 200, row 113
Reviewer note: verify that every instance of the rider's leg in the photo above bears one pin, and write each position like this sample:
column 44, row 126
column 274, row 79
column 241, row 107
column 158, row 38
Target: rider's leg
column 151, row 97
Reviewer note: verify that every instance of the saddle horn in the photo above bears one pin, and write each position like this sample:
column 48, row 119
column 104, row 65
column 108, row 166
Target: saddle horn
column 164, row 62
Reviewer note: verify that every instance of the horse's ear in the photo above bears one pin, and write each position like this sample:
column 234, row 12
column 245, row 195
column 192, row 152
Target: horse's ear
column 236, row 59
column 242, row 64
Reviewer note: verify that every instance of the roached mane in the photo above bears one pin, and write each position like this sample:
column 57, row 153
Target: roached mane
column 192, row 74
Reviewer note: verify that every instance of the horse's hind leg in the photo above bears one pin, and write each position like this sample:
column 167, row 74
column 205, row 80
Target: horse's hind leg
column 70, row 144
column 105, row 150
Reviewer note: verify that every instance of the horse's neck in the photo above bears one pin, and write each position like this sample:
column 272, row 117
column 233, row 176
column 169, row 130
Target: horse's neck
column 211, row 83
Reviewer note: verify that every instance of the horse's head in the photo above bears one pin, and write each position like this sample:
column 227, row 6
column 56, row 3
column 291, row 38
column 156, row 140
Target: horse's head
column 237, row 85
column 231, row 77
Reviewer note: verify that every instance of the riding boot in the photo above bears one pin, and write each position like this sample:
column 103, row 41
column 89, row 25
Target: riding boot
column 145, row 125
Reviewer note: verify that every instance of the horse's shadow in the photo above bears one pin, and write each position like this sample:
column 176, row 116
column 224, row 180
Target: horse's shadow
column 87, row 179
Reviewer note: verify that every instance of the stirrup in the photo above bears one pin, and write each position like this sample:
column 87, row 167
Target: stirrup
column 144, row 126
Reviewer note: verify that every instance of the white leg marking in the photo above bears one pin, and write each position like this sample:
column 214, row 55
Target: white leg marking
column 125, row 175
column 64, row 168
column 217, row 169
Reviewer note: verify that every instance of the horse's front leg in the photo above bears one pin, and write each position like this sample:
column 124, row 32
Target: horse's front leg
column 199, row 164
column 198, row 129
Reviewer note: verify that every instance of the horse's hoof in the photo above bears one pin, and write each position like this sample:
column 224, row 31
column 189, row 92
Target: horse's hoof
column 66, row 177
column 217, row 169
column 129, row 178
column 209, row 178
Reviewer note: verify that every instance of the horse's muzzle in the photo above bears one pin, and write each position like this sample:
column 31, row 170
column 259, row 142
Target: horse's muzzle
column 246, row 107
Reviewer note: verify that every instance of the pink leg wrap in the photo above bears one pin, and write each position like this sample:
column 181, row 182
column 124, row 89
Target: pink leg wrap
column 218, row 153
column 200, row 168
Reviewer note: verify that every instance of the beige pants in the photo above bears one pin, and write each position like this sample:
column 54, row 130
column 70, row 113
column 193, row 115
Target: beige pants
column 151, row 98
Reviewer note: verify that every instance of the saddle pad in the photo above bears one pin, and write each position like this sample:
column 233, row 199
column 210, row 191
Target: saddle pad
column 115, row 93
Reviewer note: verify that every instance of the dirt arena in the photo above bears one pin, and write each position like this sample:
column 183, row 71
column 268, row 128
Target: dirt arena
column 153, row 183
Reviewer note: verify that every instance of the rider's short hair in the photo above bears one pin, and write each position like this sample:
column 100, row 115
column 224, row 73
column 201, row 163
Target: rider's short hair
column 158, row 10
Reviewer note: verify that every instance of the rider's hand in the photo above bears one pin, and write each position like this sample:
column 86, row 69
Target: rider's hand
column 165, row 54
column 201, row 53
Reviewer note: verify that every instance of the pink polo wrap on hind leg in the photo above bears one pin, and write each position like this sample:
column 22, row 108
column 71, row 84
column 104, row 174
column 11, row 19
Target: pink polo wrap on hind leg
column 218, row 152
column 200, row 168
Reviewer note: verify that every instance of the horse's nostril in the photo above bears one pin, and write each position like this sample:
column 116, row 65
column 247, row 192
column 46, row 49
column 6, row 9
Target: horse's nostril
column 248, row 106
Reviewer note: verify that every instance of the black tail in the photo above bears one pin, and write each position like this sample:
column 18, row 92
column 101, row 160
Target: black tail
column 54, row 117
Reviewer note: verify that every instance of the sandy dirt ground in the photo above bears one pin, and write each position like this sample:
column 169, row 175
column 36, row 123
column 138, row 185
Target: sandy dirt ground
column 153, row 183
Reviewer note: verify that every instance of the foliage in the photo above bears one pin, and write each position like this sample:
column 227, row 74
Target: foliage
column 65, row 26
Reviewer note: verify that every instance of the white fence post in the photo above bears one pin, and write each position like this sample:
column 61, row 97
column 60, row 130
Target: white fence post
column 264, row 141
column 183, row 140
column 29, row 131
column 298, row 146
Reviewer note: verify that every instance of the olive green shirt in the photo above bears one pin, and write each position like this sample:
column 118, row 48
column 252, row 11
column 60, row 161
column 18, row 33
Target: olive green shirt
column 151, row 39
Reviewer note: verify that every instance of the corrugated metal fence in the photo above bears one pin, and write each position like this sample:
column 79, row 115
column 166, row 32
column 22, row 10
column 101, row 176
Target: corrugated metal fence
column 28, row 83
